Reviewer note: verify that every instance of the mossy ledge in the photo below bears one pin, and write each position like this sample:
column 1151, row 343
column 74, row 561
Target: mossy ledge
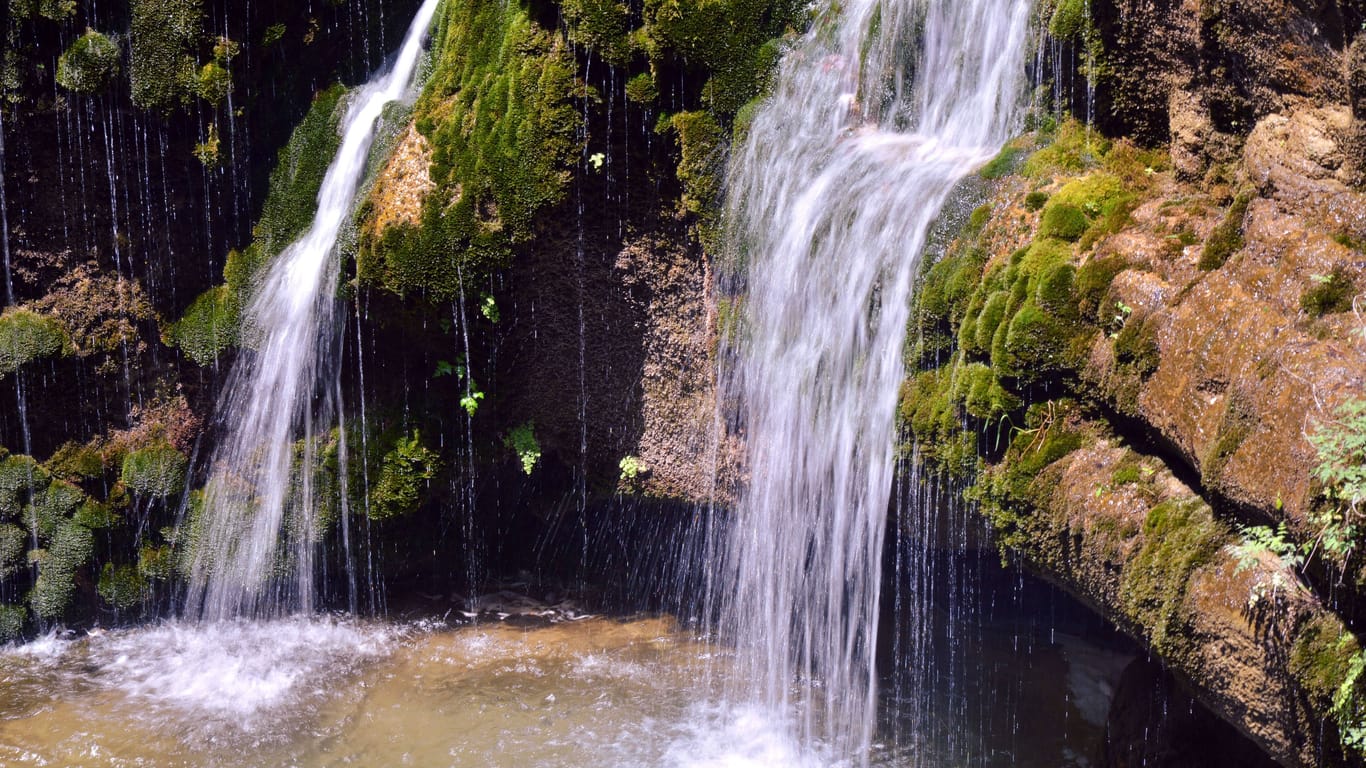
column 1041, row 351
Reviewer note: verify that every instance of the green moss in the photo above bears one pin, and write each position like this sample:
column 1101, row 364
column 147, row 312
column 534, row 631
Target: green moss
column 121, row 586
column 1035, row 200
column 1073, row 149
column 1004, row 164
column 89, row 65
column 500, row 113
column 1320, row 655
column 95, row 515
column 1095, row 193
column 1126, row 474
column 75, row 461
column 982, row 395
column 522, row 441
column 1062, row 221
column 732, row 41
column 52, row 10
column 701, row 167
column 1055, row 292
column 642, row 88
column 1235, row 426
column 51, row 507
column 1227, row 237
column 1178, row 538
column 26, row 336
column 72, row 545
column 977, row 221
column 986, row 324
column 210, row 326
column 1093, row 284
column 156, row 563
column 404, row 473
column 1069, row 19
column 1035, row 345
column 12, row 620
column 1136, row 346
column 1330, row 294
column 292, row 199
column 212, row 323
column 20, row 477
column 13, row 542
column 157, row 471
column 164, row 41
column 213, row 82
column 602, row 26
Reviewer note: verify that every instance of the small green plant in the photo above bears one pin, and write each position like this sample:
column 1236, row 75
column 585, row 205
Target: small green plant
column 489, row 308
column 631, row 468
column 1035, row 200
column 1341, row 446
column 470, row 401
column 273, row 34
column 522, row 440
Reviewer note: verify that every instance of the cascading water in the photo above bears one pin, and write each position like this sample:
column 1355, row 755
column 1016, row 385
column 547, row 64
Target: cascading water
column 874, row 117
column 255, row 534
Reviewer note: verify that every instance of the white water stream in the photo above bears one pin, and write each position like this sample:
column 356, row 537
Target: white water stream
column 256, row 535
column 877, row 113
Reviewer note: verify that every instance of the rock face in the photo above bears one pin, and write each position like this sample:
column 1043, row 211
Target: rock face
column 1141, row 344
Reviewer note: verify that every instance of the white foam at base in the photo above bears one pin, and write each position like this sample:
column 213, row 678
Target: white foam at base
column 237, row 669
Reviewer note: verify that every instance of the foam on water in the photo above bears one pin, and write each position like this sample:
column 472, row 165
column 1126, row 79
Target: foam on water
column 744, row 736
column 235, row 668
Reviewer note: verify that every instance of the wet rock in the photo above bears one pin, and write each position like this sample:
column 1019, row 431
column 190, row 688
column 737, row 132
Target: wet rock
column 1155, row 723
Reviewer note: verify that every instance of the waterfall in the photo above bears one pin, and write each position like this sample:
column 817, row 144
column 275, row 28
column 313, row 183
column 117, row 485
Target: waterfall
column 254, row 536
column 874, row 117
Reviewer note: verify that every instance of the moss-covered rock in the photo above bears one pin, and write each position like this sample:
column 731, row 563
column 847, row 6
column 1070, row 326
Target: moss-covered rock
column 121, row 586
column 13, row 542
column 51, row 507
column 404, row 474
column 210, row 325
column 1330, row 294
column 90, row 64
column 12, row 621
column 1227, row 238
column 71, row 547
column 1069, row 19
column 733, row 41
column 20, row 477
column 702, row 147
column 601, row 26
column 75, row 462
column 165, row 38
column 26, row 336
column 294, row 183
column 156, row 563
column 499, row 114
column 156, row 471
column 52, row 10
